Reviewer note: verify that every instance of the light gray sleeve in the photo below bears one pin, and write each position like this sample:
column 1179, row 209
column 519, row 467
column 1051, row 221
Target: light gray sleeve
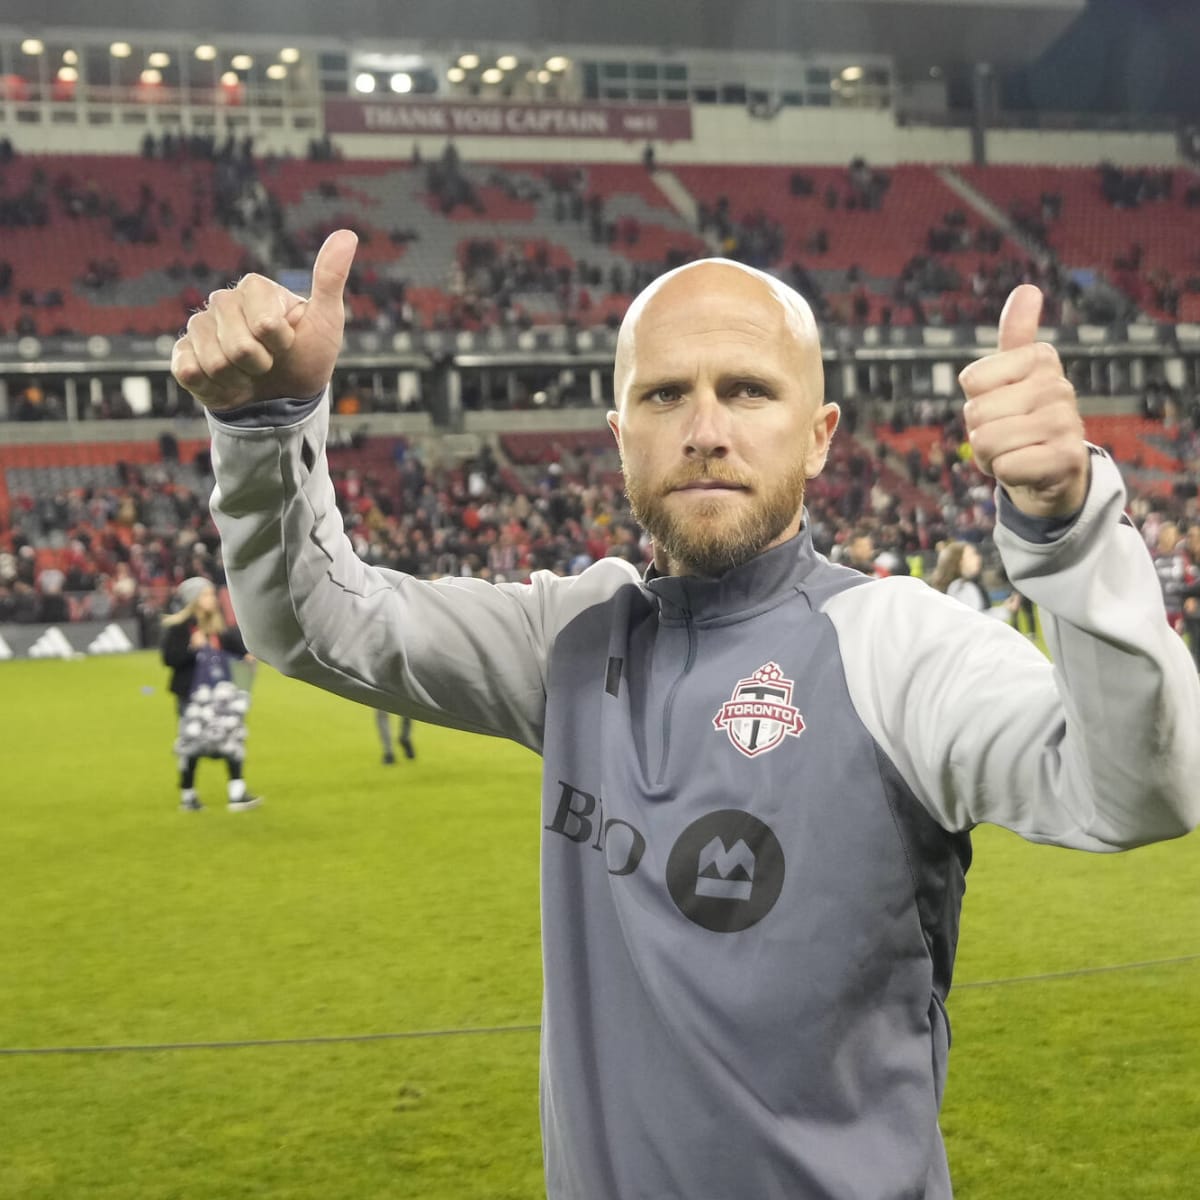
column 1098, row 750
column 459, row 652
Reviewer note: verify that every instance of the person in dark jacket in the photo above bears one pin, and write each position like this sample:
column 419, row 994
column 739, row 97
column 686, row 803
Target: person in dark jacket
column 200, row 650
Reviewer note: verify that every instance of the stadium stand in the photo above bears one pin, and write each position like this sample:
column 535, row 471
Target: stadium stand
column 116, row 245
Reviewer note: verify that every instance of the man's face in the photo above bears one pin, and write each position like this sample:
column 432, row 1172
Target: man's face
column 720, row 420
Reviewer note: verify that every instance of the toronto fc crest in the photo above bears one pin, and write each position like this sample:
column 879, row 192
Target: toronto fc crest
column 759, row 714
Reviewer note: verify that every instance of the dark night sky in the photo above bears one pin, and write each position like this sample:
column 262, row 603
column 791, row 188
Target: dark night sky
column 1140, row 56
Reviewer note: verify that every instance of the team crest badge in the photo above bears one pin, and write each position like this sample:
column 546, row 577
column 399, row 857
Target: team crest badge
column 759, row 714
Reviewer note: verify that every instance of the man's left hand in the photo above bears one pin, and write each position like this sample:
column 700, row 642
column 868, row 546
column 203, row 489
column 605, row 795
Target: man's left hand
column 1022, row 418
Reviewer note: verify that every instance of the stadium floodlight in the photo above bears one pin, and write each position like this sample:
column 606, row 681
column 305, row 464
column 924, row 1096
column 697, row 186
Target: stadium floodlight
column 557, row 62
column 468, row 62
column 289, row 54
column 544, row 76
column 151, row 76
column 32, row 46
column 241, row 62
column 401, row 82
column 456, row 74
column 120, row 49
column 159, row 59
column 492, row 75
column 507, row 62
column 230, row 79
column 71, row 57
column 277, row 71
column 206, row 53
column 364, row 82
column 852, row 74
column 67, row 74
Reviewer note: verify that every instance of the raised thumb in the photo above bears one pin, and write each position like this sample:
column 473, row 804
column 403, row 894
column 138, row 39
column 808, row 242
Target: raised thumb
column 1020, row 318
column 332, row 268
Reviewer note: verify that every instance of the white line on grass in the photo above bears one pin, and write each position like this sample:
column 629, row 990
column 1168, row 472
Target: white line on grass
column 1129, row 966
column 249, row 1042
column 335, row 1039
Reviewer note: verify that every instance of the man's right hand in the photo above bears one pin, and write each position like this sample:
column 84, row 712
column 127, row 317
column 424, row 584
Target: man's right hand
column 259, row 341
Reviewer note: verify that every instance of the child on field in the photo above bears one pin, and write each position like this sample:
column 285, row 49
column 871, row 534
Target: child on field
column 201, row 650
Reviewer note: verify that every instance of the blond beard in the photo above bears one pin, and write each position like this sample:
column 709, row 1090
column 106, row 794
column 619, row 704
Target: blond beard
column 710, row 541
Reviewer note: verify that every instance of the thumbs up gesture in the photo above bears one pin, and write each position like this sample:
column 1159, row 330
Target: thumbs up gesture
column 259, row 341
column 1022, row 419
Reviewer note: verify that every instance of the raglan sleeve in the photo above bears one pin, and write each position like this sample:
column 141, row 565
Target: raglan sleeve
column 459, row 652
column 1096, row 747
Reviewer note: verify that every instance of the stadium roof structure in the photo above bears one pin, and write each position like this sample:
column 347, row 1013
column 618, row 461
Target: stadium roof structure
column 916, row 34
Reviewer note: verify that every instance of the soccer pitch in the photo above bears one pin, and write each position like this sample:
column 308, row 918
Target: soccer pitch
column 335, row 997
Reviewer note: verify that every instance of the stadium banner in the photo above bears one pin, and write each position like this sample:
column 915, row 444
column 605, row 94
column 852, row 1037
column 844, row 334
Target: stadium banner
column 661, row 122
column 69, row 639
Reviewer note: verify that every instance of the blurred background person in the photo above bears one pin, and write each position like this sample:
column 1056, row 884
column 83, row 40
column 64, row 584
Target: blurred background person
column 201, row 651
column 958, row 575
column 383, row 723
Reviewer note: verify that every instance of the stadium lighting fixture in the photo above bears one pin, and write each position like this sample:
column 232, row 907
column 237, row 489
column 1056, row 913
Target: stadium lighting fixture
column 206, row 53
column 456, row 74
column 401, row 82
column 241, row 62
column 32, row 46
column 468, row 62
column 159, row 59
column 364, row 82
column 492, row 75
column 289, row 54
column 507, row 62
column 230, row 79
column 67, row 74
column 557, row 62
column 277, row 71
column 852, row 74
column 71, row 57
column 120, row 49
column 544, row 76
column 151, row 76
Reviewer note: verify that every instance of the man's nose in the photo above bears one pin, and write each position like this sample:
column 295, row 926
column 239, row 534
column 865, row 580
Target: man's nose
column 707, row 433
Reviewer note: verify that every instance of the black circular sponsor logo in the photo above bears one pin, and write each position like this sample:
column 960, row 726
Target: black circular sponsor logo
column 725, row 871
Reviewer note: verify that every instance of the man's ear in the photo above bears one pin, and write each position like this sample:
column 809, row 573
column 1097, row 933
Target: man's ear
column 614, row 423
column 825, row 421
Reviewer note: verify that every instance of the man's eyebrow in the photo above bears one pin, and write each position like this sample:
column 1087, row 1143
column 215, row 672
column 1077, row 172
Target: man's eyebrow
column 655, row 383
column 750, row 375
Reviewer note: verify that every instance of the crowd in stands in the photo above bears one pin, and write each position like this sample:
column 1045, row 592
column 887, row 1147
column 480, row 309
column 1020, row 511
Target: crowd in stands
column 99, row 553
column 236, row 194
column 121, row 551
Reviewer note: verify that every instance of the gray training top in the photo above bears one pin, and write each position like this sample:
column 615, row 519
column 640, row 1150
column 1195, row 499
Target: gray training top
column 756, row 799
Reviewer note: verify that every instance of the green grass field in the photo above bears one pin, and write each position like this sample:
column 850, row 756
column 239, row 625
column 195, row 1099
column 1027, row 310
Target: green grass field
column 364, row 900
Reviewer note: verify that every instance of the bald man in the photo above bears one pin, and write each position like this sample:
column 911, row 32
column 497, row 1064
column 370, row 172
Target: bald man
column 760, row 769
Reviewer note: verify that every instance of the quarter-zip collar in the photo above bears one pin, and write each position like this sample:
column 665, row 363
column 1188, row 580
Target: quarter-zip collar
column 755, row 586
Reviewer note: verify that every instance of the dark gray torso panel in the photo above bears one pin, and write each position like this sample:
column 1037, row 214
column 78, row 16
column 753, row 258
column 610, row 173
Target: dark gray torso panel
column 747, row 917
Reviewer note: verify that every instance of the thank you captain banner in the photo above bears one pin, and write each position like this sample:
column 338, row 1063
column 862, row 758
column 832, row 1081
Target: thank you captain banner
column 410, row 118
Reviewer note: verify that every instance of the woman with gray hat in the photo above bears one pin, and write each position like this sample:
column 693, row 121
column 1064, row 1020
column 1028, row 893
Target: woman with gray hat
column 200, row 649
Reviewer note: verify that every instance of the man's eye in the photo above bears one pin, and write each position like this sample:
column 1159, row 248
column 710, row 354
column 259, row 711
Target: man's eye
column 664, row 395
column 755, row 390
